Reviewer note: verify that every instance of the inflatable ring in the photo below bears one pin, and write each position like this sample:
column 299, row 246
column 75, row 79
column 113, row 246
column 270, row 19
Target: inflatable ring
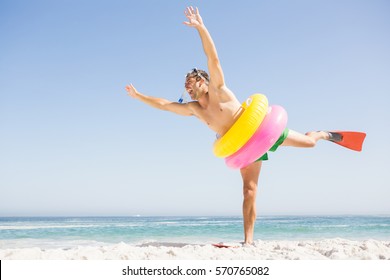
column 264, row 138
column 255, row 109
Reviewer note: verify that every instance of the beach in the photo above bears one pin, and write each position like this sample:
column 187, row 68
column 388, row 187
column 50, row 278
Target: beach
column 327, row 249
column 191, row 238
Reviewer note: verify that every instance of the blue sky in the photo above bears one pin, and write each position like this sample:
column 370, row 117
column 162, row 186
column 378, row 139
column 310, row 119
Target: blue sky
column 73, row 143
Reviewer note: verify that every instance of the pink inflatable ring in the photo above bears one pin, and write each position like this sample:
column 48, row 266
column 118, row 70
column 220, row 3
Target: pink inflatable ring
column 262, row 140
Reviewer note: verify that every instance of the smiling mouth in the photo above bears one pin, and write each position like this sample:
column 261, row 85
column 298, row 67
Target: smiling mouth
column 191, row 94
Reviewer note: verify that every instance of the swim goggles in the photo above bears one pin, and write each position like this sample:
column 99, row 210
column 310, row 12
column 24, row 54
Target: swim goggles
column 195, row 72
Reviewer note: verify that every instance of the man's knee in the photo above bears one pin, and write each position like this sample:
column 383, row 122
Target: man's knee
column 250, row 190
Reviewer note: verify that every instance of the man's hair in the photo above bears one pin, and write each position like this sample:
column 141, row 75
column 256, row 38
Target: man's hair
column 198, row 74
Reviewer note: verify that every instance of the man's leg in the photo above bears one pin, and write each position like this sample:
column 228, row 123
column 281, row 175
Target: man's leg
column 250, row 177
column 308, row 140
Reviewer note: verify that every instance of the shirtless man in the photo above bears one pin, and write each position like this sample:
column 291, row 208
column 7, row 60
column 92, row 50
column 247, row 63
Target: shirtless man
column 217, row 106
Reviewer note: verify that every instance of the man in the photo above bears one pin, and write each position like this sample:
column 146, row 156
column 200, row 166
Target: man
column 217, row 106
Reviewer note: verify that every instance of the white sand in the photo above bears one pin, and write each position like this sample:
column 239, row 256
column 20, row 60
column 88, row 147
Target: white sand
column 327, row 249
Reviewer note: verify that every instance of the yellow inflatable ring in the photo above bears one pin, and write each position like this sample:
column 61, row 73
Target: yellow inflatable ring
column 255, row 109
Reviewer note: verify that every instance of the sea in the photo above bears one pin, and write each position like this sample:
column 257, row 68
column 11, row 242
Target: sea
column 71, row 232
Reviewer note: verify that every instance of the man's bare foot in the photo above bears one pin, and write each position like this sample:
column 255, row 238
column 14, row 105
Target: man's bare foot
column 319, row 135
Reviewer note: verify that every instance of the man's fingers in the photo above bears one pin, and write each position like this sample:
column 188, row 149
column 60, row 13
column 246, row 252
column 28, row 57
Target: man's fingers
column 190, row 11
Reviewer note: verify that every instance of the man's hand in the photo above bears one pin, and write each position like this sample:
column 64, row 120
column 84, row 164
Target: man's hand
column 131, row 91
column 193, row 16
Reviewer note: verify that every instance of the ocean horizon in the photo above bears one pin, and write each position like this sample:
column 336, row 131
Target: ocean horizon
column 74, row 231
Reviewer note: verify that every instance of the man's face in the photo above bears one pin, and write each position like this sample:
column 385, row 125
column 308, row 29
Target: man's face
column 190, row 86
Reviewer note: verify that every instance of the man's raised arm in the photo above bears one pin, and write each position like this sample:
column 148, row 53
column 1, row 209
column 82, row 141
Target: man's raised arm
column 214, row 66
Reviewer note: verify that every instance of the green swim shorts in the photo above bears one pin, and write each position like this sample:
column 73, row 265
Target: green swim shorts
column 276, row 145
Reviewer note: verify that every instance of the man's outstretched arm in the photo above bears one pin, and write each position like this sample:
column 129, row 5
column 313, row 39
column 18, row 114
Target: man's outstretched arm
column 160, row 103
column 214, row 66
